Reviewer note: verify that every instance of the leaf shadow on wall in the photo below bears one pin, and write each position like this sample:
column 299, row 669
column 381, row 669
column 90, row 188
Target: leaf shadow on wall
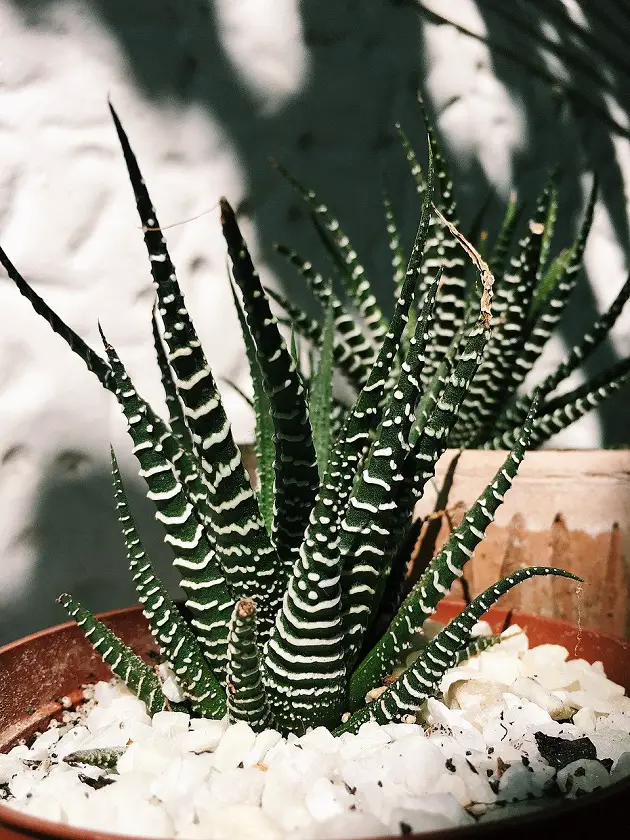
column 79, row 547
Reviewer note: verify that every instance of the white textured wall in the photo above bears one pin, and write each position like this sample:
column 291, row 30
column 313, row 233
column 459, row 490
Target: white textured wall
column 207, row 91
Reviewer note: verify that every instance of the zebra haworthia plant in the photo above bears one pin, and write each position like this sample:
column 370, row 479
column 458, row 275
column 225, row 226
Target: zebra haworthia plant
column 285, row 585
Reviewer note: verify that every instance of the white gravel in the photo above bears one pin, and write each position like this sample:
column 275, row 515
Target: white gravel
column 479, row 759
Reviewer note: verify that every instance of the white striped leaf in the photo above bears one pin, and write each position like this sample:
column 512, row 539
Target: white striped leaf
column 295, row 464
column 321, row 392
column 561, row 412
column 232, row 505
column 435, row 582
column 345, row 258
column 179, row 458
column 208, row 596
column 371, row 517
column 408, row 693
column 264, row 423
column 511, row 306
column 359, row 349
column 246, row 693
column 177, row 642
column 139, row 677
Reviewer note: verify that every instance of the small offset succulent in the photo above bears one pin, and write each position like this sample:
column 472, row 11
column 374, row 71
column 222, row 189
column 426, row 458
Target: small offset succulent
column 531, row 292
column 286, row 586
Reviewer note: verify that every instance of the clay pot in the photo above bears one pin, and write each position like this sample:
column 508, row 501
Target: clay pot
column 37, row 672
column 566, row 508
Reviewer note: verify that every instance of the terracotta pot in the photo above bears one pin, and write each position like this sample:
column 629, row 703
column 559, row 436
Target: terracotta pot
column 566, row 508
column 40, row 670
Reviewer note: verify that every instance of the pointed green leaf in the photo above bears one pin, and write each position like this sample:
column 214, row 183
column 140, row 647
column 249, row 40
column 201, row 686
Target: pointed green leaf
column 104, row 757
column 555, row 287
column 591, row 340
column 557, row 414
column 370, row 519
column 513, row 414
column 445, row 568
column 208, row 596
column 295, row 465
column 291, row 647
column 295, row 350
column 177, row 642
column 176, row 419
column 412, row 160
column 549, row 302
column 550, row 299
column 498, row 258
column 247, row 696
column 366, row 414
column 429, row 442
column 549, row 225
column 139, row 677
column 345, row 258
column 476, row 232
column 499, row 369
column 361, row 347
column 398, row 259
column 443, row 252
column 304, row 665
column 321, row 395
column 549, row 282
column 94, row 363
column 264, row 423
column 179, row 458
column 475, row 647
column 407, row 694
column 353, row 439
column 232, row 505
column 347, row 363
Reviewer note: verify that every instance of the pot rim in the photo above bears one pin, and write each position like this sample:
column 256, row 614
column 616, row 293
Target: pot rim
column 65, row 625
column 52, row 830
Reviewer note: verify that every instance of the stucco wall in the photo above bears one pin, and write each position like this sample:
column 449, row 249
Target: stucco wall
column 207, row 91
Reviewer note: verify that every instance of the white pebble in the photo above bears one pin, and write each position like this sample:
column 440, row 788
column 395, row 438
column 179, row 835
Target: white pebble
column 621, row 768
column 324, row 800
column 204, row 735
column 199, row 779
column 263, row 743
column 45, row 807
column 321, row 740
column 146, row 818
column 148, row 757
column 233, row 786
column 236, row 742
column 170, row 687
column 529, row 689
column 438, row 811
column 9, row 767
column 582, row 776
column 244, row 822
column 170, row 723
column 585, row 719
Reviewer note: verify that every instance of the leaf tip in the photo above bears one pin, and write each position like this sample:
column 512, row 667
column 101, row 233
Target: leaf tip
column 246, row 608
column 227, row 213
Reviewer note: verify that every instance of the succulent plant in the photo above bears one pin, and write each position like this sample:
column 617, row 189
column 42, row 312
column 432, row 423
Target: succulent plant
column 531, row 292
column 285, row 584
